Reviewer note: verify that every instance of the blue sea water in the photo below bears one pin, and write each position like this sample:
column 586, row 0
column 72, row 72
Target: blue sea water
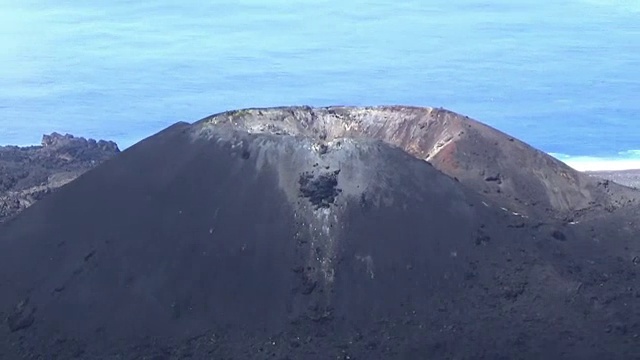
column 563, row 76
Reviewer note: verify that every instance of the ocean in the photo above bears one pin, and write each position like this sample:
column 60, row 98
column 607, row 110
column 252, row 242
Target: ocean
column 563, row 76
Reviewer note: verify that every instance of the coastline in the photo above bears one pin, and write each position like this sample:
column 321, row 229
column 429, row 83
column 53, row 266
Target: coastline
column 29, row 173
column 629, row 177
column 622, row 171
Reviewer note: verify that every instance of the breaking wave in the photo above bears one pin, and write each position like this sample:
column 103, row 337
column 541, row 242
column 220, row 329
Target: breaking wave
column 626, row 160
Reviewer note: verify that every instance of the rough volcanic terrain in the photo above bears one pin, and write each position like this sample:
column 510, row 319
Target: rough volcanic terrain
column 299, row 233
column 27, row 174
column 629, row 178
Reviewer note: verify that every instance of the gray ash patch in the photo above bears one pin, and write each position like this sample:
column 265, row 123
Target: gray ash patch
column 321, row 190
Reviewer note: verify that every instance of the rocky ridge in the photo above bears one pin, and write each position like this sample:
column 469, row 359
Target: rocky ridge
column 27, row 174
column 506, row 170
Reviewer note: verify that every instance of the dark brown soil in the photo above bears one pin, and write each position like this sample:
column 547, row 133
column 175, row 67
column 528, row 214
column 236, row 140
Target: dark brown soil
column 221, row 240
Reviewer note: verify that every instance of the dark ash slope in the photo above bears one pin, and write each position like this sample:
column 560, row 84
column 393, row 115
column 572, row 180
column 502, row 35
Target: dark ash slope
column 211, row 241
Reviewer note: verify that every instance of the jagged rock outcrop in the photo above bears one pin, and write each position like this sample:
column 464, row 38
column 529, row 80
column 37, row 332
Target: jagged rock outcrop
column 27, row 174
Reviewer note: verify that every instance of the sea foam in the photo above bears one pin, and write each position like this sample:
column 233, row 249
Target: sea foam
column 626, row 160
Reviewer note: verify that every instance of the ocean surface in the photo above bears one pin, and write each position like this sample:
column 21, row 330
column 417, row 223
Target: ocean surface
column 563, row 76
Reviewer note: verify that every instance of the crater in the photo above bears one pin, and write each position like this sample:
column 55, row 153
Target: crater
column 478, row 156
column 419, row 131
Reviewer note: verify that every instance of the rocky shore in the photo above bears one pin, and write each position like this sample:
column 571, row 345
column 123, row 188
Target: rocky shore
column 27, row 174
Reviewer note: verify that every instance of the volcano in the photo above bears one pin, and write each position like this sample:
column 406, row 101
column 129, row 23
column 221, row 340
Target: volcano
column 315, row 233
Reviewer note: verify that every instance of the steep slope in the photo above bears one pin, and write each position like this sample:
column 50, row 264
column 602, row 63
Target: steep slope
column 211, row 241
column 484, row 159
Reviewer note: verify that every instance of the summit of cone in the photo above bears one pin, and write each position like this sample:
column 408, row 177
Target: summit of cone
column 315, row 233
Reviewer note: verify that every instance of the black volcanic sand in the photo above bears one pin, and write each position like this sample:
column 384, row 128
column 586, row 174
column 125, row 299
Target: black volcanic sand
column 207, row 241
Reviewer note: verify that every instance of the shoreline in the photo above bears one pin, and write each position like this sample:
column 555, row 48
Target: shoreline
column 622, row 171
column 31, row 172
column 629, row 177
column 599, row 164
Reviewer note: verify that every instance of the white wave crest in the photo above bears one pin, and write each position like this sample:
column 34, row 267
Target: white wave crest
column 626, row 160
